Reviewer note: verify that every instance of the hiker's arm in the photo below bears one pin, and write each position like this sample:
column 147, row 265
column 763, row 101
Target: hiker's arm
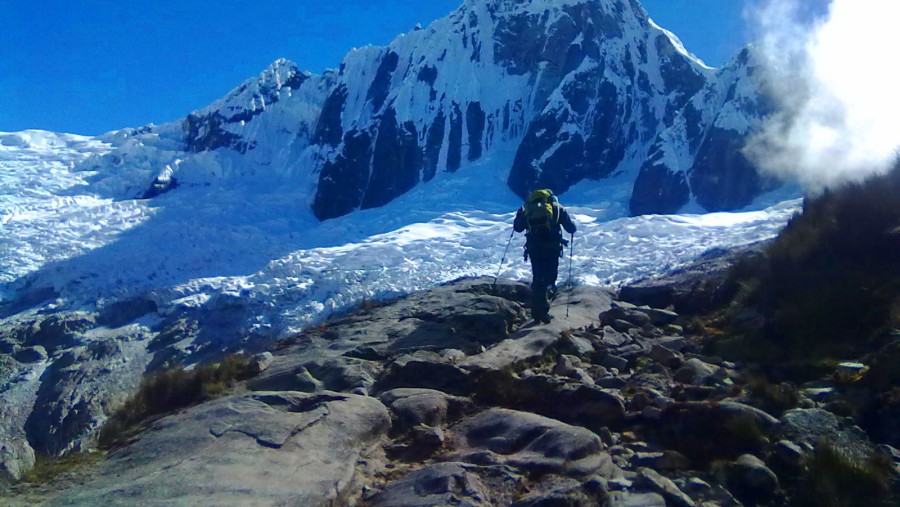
column 520, row 223
column 566, row 221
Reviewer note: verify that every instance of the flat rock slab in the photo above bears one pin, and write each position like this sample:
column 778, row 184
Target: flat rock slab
column 532, row 341
column 284, row 448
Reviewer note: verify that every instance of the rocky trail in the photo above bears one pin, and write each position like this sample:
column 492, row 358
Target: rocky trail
column 453, row 397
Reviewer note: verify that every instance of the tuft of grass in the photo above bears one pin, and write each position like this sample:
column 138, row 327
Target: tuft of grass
column 835, row 480
column 745, row 433
column 774, row 398
column 47, row 469
column 169, row 390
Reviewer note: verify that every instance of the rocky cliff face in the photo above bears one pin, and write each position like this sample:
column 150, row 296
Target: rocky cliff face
column 580, row 89
column 699, row 154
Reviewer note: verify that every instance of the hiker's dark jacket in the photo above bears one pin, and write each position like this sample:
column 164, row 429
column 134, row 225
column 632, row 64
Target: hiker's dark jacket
column 549, row 241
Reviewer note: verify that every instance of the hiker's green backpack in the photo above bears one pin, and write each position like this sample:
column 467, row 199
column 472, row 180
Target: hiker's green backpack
column 540, row 213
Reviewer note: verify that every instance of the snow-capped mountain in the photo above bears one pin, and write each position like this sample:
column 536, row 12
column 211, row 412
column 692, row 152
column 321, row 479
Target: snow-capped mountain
column 580, row 89
column 175, row 243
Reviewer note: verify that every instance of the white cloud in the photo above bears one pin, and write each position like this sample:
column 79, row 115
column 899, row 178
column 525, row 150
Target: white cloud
column 838, row 88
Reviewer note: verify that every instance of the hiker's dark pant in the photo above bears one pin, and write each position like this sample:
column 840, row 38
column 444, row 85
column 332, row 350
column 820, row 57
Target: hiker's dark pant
column 544, row 270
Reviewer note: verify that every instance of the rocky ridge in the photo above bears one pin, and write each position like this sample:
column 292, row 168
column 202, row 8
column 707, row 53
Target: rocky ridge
column 452, row 396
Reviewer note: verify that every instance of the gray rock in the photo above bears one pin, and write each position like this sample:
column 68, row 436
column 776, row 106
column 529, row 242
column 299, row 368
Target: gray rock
column 809, row 426
column 750, row 481
column 429, row 374
column 453, row 356
column 419, row 444
column 576, row 345
column 297, row 373
column 627, row 317
column 622, row 499
column 283, row 448
column 78, row 390
column 574, row 403
column 656, row 483
column 697, row 485
column 674, row 329
column 344, row 373
column 622, row 326
column 533, row 343
column 16, row 459
column 261, row 362
column 613, row 338
column 695, row 371
column 414, row 406
column 435, row 485
column 661, row 318
column 666, row 356
column 60, row 332
column 565, row 366
column 31, row 354
column 8, row 346
column 789, row 453
column 704, row 431
column 613, row 361
column 532, row 442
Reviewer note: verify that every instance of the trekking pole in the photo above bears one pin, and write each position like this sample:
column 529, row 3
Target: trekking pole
column 571, row 284
column 502, row 260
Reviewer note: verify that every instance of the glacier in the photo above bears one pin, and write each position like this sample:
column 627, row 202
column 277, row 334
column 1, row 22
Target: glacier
column 186, row 249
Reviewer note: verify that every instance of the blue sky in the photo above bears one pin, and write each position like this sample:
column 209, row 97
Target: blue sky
column 96, row 65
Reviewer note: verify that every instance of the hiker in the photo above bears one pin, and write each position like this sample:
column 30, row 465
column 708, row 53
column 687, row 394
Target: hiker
column 541, row 216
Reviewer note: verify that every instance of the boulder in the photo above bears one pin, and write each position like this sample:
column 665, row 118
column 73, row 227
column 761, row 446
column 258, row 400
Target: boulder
column 16, row 458
column 531, row 442
column 750, row 480
column 696, row 372
column 648, row 479
column 660, row 318
column 289, row 372
column 666, row 356
column 418, row 444
column 704, row 431
column 434, row 374
column 809, row 426
column 413, row 406
column 266, row 448
column 574, row 403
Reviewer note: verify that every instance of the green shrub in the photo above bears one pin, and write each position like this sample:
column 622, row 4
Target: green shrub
column 169, row 390
column 829, row 283
column 835, row 480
